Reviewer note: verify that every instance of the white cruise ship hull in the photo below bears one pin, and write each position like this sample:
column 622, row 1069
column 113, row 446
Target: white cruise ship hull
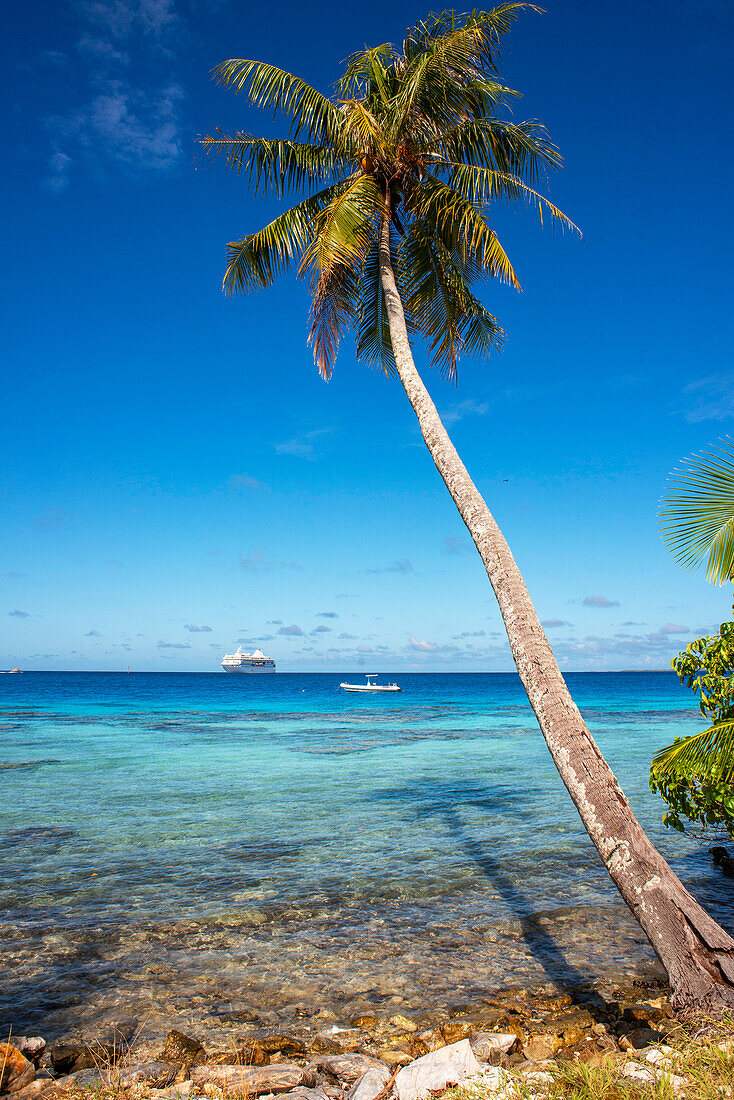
column 258, row 670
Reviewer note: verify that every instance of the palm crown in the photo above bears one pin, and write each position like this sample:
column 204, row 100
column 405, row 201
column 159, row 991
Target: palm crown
column 413, row 137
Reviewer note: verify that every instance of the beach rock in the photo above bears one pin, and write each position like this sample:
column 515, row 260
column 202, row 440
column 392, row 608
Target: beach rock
column 36, row 1088
column 324, row 1044
column 370, row 1084
column 453, row 1031
column 304, row 1093
column 365, row 1023
column 175, row 1092
column 403, row 1023
column 580, row 1020
column 31, row 1048
column 155, row 1074
column 182, row 1050
column 250, row 1055
column 640, row 1037
column 16, row 1071
column 434, row 1072
column 641, row 1075
column 346, row 1068
column 252, row 1080
column 83, row 1079
column 281, row 1044
column 73, row 1057
column 541, row 1047
column 486, row 1043
column 396, row 1057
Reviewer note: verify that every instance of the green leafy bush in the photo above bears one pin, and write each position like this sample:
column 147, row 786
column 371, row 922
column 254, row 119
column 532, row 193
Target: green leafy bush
column 695, row 775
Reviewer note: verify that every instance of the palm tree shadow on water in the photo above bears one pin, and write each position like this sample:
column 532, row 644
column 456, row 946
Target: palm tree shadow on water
column 452, row 801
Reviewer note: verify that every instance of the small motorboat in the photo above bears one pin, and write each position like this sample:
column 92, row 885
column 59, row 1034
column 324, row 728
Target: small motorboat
column 370, row 686
column 9, row 671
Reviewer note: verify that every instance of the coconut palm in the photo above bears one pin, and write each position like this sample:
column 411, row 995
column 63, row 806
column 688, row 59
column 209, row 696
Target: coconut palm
column 696, row 773
column 401, row 166
column 698, row 513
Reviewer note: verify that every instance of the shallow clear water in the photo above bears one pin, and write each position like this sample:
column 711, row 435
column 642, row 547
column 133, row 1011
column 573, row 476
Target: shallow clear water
column 270, row 841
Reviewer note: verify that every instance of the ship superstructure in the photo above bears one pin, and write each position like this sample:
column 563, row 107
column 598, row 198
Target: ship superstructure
column 247, row 662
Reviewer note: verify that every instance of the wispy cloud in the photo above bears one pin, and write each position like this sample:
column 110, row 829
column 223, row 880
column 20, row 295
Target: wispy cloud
column 18, row 614
column 710, row 398
column 550, row 623
column 53, row 519
column 599, row 601
column 470, row 634
column 194, row 629
column 460, row 409
column 327, row 615
column 173, row 645
column 347, row 637
column 133, row 124
column 402, row 566
column 258, row 563
column 93, row 634
column 455, row 544
column 302, row 446
column 292, row 631
column 239, row 482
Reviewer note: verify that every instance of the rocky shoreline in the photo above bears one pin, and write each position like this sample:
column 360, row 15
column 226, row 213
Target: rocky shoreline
column 372, row 1056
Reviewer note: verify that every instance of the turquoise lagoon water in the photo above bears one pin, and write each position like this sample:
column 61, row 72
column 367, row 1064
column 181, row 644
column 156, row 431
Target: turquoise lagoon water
column 207, row 849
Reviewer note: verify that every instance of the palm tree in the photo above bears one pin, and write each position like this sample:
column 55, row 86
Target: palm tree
column 698, row 513
column 698, row 525
column 401, row 165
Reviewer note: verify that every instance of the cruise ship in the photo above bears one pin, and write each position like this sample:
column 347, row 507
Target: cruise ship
column 247, row 662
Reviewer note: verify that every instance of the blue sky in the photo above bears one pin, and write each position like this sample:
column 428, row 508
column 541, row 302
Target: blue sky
column 177, row 478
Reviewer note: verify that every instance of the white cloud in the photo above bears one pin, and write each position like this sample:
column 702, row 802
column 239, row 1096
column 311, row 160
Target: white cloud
column 292, row 631
column 302, row 446
column 133, row 125
column 245, row 481
column 460, row 409
column 599, row 601
column 422, row 646
column 710, row 398
column 402, row 566
column 194, row 629
column 18, row 614
column 173, row 645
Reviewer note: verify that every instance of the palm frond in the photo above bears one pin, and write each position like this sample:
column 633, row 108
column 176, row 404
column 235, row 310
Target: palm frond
column 440, row 302
column 698, row 513
column 519, row 149
column 483, row 185
column 268, row 86
column 273, row 164
column 491, row 25
column 255, row 261
column 367, row 70
column 462, row 228
column 334, row 306
column 344, row 229
column 709, row 753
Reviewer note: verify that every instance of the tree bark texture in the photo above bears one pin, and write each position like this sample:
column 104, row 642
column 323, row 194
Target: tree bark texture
column 697, row 954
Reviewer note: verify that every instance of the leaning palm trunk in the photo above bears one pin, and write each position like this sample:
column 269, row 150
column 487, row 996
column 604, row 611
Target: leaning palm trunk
column 697, row 954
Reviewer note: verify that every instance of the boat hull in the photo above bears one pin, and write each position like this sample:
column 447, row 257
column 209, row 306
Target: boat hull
column 256, row 670
column 368, row 690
